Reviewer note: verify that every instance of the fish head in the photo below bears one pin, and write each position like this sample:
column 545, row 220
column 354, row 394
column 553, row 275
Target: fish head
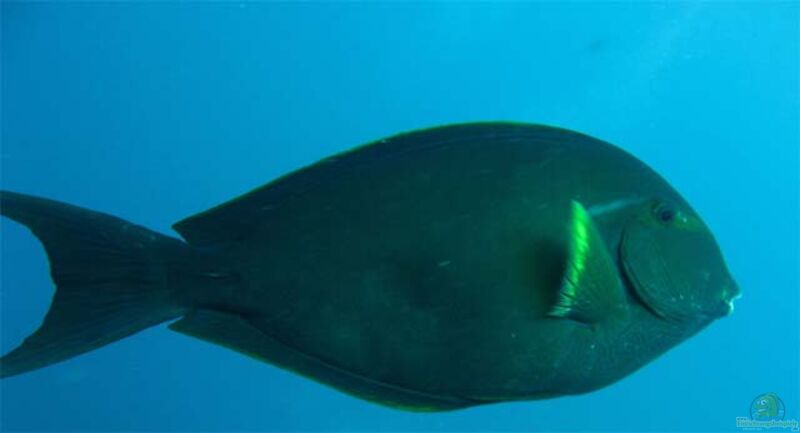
column 674, row 265
column 767, row 405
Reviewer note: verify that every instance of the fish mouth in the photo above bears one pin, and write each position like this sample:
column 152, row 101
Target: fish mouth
column 730, row 294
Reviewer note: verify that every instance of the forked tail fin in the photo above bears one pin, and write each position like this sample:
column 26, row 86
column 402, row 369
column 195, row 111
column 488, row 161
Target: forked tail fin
column 111, row 280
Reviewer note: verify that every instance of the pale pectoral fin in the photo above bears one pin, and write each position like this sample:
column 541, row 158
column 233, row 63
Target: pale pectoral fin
column 590, row 289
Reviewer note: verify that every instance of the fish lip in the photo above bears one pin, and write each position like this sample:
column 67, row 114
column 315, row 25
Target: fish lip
column 728, row 308
column 730, row 294
column 730, row 300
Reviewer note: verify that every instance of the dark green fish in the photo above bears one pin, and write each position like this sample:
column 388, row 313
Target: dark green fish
column 433, row 270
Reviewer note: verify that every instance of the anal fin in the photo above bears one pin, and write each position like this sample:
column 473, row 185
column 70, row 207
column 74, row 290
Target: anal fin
column 237, row 333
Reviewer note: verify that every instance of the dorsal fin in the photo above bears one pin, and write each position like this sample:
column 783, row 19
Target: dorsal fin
column 233, row 219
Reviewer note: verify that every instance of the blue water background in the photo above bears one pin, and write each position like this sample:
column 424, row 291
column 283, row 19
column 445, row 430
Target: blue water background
column 154, row 112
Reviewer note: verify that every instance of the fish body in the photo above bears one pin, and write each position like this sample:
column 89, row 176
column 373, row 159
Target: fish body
column 433, row 270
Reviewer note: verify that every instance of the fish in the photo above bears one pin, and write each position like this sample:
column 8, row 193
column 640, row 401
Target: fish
column 434, row 270
column 767, row 407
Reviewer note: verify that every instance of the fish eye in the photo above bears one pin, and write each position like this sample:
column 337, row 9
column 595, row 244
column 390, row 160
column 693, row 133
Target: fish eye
column 665, row 213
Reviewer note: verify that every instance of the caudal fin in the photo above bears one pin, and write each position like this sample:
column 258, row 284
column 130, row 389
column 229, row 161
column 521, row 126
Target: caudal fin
column 111, row 280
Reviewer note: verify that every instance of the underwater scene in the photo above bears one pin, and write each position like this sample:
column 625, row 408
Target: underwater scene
column 400, row 216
